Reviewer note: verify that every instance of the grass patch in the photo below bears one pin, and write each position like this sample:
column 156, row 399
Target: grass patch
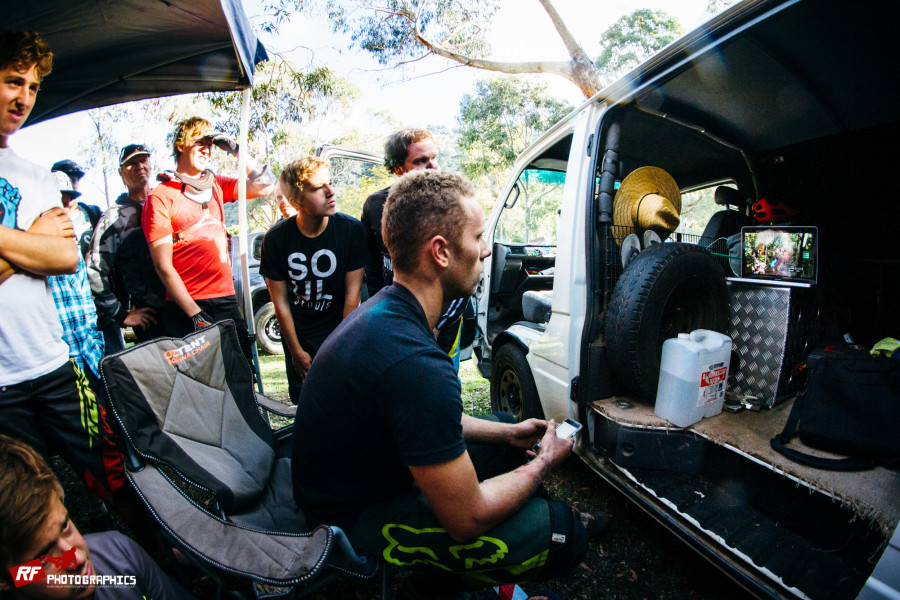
column 275, row 385
column 476, row 390
column 476, row 397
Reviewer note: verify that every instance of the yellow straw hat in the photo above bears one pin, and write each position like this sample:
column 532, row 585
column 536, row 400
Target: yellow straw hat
column 648, row 198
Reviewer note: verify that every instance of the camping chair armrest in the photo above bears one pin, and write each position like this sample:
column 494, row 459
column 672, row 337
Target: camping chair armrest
column 280, row 559
column 281, row 409
column 344, row 544
column 347, row 561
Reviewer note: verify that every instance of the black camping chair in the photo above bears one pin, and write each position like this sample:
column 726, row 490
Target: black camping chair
column 211, row 471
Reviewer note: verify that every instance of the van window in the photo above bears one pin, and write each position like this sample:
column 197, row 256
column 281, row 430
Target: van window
column 698, row 205
column 257, row 248
column 353, row 179
column 531, row 214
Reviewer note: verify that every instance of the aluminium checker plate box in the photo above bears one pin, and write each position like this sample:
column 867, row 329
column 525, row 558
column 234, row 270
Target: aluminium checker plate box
column 772, row 331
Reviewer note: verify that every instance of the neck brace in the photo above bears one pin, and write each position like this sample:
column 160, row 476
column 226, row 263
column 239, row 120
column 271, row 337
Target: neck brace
column 197, row 189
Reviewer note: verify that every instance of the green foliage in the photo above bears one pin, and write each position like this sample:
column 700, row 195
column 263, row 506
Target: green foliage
column 696, row 209
column 500, row 120
column 534, row 217
column 388, row 29
column 714, row 7
column 632, row 39
column 476, row 394
column 354, row 181
column 476, row 390
column 282, row 98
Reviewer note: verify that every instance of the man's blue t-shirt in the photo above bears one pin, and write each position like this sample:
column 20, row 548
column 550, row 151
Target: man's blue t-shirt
column 380, row 397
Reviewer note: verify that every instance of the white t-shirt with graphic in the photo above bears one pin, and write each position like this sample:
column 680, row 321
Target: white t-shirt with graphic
column 31, row 341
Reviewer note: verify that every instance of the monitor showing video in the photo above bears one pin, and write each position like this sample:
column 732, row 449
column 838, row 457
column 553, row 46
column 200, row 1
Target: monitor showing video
column 780, row 253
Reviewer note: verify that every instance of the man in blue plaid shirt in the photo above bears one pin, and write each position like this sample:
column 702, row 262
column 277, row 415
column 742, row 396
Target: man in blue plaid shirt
column 78, row 316
column 77, row 313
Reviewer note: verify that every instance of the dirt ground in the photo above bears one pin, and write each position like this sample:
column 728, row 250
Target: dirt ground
column 635, row 559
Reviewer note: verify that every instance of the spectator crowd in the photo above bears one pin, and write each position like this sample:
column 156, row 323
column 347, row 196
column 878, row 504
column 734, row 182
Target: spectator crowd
column 156, row 261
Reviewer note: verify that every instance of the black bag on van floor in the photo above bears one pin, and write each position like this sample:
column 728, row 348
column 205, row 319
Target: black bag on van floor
column 851, row 406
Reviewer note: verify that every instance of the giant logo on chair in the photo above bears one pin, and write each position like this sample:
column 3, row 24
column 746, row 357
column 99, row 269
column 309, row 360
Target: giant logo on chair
column 183, row 352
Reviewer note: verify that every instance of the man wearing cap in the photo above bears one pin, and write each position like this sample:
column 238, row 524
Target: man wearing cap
column 72, row 170
column 84, row 216
column 183, row 220
column 127, row 290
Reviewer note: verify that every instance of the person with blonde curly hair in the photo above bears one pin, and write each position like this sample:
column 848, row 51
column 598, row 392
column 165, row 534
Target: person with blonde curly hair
column 313, row 264
column 41, row 548
column 184, row 222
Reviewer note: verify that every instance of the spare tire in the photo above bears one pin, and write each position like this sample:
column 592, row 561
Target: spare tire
column 665, row 290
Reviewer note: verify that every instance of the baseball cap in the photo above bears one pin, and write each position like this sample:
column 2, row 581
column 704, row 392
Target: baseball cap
column 132, row 150
column 69, row 167
column 65, row 184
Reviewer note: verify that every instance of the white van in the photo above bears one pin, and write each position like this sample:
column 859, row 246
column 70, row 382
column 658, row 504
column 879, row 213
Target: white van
column 783, row 112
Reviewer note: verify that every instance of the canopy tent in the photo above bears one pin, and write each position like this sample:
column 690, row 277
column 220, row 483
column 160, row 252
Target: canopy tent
column 112, row 51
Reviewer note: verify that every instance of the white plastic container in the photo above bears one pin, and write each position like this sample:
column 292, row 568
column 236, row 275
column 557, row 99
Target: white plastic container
column 692, row 377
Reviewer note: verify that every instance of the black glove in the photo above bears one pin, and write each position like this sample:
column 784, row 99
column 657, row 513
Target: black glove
column 201, row 320
column 226, row 144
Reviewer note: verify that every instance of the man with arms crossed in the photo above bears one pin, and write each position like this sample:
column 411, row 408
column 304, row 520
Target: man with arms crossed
column 396, row 463
column 45, row 399
column 184, row 222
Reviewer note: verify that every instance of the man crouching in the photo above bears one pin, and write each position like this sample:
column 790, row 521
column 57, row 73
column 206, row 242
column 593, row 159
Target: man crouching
column 381, row 444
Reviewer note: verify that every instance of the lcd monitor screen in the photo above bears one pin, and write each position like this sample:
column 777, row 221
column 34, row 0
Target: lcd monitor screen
column 780, row 253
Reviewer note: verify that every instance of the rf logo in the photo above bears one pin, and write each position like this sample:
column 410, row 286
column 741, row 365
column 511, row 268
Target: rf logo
column 27, row 573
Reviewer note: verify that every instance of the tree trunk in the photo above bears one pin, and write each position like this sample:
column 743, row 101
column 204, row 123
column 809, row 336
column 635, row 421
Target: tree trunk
column 579, row 70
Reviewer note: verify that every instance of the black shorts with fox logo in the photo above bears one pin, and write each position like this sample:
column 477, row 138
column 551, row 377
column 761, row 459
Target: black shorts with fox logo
column 58, row 413
column 542, row 540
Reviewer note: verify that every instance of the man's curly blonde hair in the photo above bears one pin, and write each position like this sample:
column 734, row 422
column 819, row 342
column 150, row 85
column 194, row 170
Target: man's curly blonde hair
column 187, row 132
column 297, row 173
column 20, row 50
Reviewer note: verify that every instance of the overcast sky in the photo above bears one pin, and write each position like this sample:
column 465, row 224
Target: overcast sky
column 425, row 95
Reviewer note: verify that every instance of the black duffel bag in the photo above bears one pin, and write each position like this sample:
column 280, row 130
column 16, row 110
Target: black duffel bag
column 850, row 406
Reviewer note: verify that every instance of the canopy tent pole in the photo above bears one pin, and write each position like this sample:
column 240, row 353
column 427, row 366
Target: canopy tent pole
column 242, row 234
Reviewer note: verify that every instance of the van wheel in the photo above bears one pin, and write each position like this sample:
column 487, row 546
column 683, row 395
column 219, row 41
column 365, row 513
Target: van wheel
column 667, row 289
column 512, row 386
column 268, row 335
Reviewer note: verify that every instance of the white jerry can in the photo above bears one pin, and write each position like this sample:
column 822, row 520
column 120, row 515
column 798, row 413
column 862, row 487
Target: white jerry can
column 693, row 375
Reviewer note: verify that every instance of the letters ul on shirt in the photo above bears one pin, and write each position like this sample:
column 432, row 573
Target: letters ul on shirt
column 307, row 276
column 314, row 270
